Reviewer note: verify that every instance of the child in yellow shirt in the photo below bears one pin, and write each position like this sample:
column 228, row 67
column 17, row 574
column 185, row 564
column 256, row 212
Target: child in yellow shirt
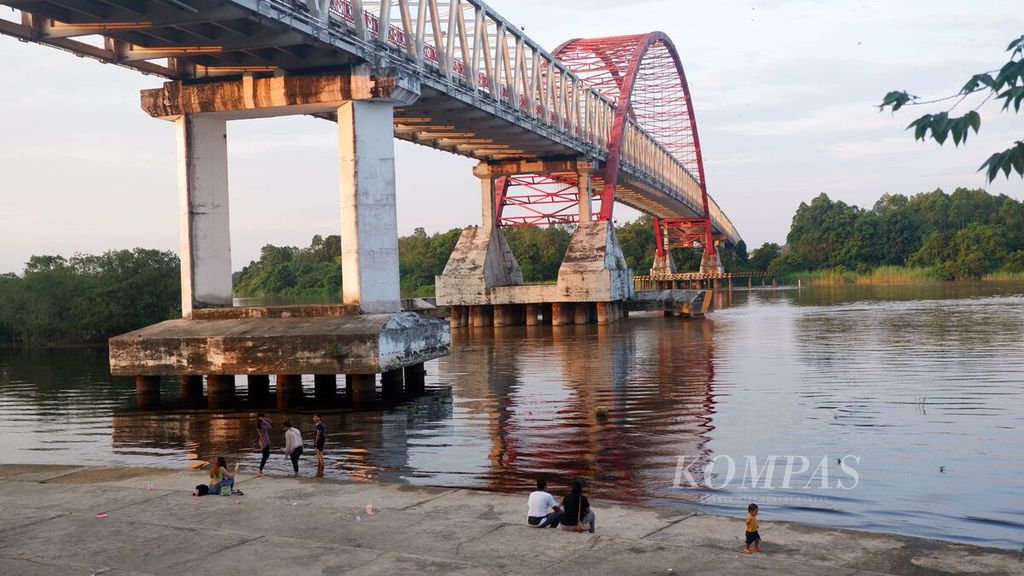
column 753, row 538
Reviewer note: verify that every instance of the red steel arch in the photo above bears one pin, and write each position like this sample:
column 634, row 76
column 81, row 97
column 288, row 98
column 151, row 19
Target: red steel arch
column 642, row 73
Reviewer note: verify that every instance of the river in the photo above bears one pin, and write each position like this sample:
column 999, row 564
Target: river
column 883, row 408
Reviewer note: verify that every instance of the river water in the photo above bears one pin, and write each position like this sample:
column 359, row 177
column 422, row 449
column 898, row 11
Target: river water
column 895, row 409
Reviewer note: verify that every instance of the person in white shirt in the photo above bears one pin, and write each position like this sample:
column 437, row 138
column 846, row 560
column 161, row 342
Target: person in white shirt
column 543, row 511
column 292, row 445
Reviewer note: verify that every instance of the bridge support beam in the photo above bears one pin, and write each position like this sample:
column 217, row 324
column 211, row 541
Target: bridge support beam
column 369, row 221
column 205, row 237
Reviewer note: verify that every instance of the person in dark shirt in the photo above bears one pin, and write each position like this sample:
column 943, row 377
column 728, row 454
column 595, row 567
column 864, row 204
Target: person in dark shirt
column 319, row 441
column 576, row 513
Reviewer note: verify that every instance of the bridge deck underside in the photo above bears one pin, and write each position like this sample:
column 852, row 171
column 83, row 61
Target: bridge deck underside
column 213, row 37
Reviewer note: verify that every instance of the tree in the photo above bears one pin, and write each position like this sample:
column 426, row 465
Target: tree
column 1006, row 84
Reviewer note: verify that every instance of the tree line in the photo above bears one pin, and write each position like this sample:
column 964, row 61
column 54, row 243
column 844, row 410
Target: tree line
column 964, row 235
column 87, row 298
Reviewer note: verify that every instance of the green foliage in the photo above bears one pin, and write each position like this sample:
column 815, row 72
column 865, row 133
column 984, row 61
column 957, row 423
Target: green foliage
column 1007, row 85
column 967, row 234
column 539, row 251
column 761, row 257
column 422, row 257
column 88, row 298
column 288, row 271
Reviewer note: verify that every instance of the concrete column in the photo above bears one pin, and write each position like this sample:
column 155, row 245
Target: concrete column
column 220, row 390
column 582, row 315
column 391, row 384
column 369, row 225
column 750, row 282
column 325, row 387
column 220, row 384
column 562, row 313
column 364, row 389
column 583, row 184
column 259, row 387
column 503, row 315
column 488, row 205
column 205, row 237
column 481, row 315
column 289, row 390
column 532, row 314
column 191, row 388
column 415, row 379
column 349, row 387
column 604, row 312
column 458, row 316
column 147, row 390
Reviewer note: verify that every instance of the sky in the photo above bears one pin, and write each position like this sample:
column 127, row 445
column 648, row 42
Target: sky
column 785, row 94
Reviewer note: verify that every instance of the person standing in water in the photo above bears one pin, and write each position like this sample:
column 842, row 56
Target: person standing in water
column 319, row 441
column 263, row 425
column 292, row 445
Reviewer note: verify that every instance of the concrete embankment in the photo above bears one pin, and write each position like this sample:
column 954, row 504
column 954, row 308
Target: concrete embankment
column 149, row 523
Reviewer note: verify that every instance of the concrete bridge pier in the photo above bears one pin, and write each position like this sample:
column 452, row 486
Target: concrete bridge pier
column 368, row 333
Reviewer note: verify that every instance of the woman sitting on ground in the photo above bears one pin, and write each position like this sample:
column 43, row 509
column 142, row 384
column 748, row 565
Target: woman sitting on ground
column 220, row 477
column 576, row 513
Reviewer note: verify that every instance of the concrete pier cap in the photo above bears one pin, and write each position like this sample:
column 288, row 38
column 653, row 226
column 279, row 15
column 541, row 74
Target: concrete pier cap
column 252, row 341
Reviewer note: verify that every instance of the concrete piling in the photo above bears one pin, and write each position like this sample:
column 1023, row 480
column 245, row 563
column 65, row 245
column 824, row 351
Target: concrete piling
column 562, row 313
column 532, row 314
column 147, row 392
column 289, row 390
column 415, row 379
column 220, row 390
column 582, row 315
column 191, row 388
column 364, row 389
column 391, row 384
column 259, row 387
column 503, row 315
column 325, row 387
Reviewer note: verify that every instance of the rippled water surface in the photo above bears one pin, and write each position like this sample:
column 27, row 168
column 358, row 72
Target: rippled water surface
column 919, row 391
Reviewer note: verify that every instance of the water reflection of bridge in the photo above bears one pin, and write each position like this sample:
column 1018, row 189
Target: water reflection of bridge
column 613, row 404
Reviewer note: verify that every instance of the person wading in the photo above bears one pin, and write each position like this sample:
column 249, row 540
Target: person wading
column 292, row 445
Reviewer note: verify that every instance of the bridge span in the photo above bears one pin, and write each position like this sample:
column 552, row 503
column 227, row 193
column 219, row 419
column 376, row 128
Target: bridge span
column 560, row 136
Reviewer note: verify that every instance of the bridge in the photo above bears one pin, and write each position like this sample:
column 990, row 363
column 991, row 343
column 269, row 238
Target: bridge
column 560, row 137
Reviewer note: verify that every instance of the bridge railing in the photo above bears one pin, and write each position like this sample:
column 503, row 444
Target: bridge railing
column 475, row 49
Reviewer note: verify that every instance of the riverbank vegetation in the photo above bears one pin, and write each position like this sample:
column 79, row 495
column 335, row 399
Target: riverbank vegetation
column 932, row 236
column 88, row 298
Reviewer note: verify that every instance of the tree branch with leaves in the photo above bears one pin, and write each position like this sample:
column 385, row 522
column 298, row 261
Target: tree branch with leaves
column 1006, row 84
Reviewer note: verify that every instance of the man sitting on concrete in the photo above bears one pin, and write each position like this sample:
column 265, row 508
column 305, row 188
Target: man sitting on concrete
column 543, row 512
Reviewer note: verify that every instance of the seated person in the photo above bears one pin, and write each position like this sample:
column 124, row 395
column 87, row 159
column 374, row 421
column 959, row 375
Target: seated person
column 543, row 511
column 576, row 513
column 220, row 477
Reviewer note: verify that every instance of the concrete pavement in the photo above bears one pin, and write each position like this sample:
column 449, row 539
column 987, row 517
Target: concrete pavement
column 153, row 525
